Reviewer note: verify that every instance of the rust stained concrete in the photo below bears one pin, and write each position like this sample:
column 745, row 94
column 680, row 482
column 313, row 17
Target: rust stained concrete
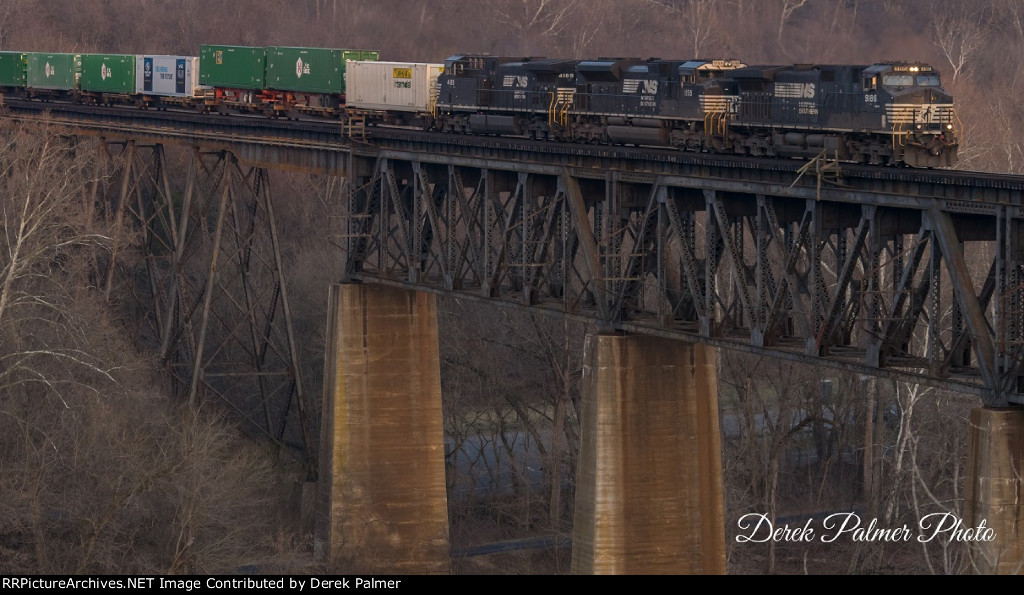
column 995, row 459
column 649, row 488
column 382, row 438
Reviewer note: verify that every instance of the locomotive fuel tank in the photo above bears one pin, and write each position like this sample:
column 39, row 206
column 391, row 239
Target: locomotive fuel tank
column 640, row 135
column 490, row 124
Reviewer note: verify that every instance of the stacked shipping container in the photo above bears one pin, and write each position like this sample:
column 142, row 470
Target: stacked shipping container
column 311, row 70
column 13, row 69
column 233, row 67
column 169, row 76
column 355, row 75
column 402, row 86
column 107, row 73
column 53, row 71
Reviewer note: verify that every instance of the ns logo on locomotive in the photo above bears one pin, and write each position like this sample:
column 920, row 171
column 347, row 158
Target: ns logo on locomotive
column 883, row 113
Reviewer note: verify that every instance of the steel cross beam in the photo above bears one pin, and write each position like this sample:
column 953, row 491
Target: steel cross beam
column 929, row 294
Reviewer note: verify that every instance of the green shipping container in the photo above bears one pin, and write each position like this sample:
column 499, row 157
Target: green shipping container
column 108, row 73
column 12, row 69
column 232, row 66
column 311, row 70
column 53, row 71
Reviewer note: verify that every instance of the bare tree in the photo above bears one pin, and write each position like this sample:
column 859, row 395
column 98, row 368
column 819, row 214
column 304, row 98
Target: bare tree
column 532, row 19
column 102, row 473
column 959, row 31
column 786, row 10
column 45, row 229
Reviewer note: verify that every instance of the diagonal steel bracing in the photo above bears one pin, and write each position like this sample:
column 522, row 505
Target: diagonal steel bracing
column 206, row 269
column 874, row 287
column 929, row 289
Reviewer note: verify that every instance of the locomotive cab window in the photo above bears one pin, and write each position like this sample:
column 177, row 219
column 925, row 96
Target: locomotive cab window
column 898, row 80
column 870, row 83
column 927, row 80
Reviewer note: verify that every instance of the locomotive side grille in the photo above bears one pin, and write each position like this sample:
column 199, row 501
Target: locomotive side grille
column 927, row 113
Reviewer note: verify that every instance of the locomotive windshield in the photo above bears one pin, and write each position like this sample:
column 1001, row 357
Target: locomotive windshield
column 898, row 80
column 909, row 80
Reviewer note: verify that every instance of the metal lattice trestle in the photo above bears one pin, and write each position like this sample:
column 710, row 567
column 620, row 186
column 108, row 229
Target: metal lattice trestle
column 861, row 285
column 213, row 286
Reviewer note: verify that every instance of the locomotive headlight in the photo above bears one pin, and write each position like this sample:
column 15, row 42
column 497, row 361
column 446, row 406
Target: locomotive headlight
column 949, row 126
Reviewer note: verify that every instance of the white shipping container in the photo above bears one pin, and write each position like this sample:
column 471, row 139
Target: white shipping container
column 169, row 76
column 401, row 86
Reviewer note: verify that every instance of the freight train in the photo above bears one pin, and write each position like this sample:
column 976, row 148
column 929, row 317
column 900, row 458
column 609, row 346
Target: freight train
column 884, row 113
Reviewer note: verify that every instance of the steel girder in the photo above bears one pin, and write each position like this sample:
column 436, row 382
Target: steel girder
column 930, row 294
column 212, row 285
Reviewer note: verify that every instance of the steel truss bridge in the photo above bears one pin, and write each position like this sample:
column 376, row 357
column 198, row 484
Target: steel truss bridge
column 900, row 273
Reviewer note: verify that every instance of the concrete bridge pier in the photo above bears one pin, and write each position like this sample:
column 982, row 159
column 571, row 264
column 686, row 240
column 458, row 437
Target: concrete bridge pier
column 383, row 505
column 649, row 493
column 995, row 484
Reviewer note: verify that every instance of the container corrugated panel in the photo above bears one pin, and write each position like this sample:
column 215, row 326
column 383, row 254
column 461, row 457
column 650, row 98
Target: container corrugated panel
column 168, row 76
column 108, row 73
column 232, row 66
column 53, row 71
column 311, row 70
column 308, row 70
column 357, row 55
column 403, row 86
column 360, row 55
column 12, row 69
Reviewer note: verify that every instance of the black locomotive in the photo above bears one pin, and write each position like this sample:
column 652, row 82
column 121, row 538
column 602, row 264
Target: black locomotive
column 886, row 113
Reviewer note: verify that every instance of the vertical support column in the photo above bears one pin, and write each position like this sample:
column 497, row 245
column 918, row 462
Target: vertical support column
column 712, row 253
column 995, row 480
column 649, row 493
column 382, row 494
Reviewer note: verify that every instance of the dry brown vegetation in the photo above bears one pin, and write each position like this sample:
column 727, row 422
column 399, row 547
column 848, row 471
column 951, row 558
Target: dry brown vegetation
column 102, row 473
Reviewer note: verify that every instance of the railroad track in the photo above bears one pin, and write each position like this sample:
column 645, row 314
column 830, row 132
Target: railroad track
column 975, row 186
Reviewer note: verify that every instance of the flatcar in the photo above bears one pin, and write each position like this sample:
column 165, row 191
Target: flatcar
column 277, row 81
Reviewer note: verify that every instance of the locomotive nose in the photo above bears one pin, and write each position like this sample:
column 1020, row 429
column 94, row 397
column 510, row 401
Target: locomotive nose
column 922, row 97
column 927, row 115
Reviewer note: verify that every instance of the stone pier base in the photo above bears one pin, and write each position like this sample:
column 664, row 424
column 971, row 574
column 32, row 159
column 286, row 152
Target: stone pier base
column 649, row 494
column 995, row 489
column 383, row 506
